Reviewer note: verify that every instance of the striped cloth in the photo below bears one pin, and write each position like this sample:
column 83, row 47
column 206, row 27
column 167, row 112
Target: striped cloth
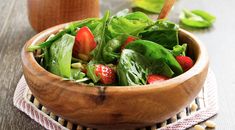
column 206, row 102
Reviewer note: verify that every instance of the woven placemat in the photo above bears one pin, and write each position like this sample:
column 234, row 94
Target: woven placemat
column 202, row 108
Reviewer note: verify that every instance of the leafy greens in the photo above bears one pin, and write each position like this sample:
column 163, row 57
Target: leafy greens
column 132, row 68
column 162, row 32
column 196, row 18
column 61, row 55
column 153, row 6
column 156, row 54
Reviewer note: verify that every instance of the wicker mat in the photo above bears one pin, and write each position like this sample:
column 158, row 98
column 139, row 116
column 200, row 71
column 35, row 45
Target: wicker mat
column 206, row 103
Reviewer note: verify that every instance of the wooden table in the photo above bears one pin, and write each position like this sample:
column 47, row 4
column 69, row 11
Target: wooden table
column 220, row 41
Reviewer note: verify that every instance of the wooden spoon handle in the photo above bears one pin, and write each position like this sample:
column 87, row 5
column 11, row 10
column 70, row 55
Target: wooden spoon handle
column 166, row 9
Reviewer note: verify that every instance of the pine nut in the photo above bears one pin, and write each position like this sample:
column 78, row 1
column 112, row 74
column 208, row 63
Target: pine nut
column 194, row 107
column 198, row 127
column 77, row 66
column 69, row 125
column 36, row 102
column 210, row 124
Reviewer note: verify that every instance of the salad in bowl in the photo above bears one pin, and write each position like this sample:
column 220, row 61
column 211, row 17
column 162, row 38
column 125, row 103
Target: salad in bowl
column 115, row 72
column 122, row 50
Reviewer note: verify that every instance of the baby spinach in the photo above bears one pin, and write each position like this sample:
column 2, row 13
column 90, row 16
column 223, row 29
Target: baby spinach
column 46, row 58
column 197, row 18
column 99, row 33
column 160, row 67
column 130, row 24
column 155, row 53
column 60, row 56
column 153, row 6
column 110, row 51
column 76, row 74
column 91, row 72
column 179, row 50
column 132, row 68
column 162, row 32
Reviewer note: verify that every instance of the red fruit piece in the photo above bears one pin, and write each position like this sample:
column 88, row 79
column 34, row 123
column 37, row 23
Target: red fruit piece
column 107, row 75
column 84, row 42
column 128, row 40
column 153, row 78
column 185, row 62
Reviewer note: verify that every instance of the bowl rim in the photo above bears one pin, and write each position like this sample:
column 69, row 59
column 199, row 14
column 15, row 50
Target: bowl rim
column 201, row 62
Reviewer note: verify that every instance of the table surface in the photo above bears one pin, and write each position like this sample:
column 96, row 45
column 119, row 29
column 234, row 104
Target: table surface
column 219, row 40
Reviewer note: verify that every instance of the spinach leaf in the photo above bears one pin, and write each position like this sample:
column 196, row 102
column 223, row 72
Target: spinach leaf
column 140, row 16
column 160, row 67
column 46, row 58
column 197, row 18
column 179, row 50
column 99, row 33
column 132, row 68
column 162, row 32
column 112, row 49
column 71, row 29
column 155, row 53
column 76, row 74
column 153, row 6
column 130, row 24
column 60, row 56
column 91, row 72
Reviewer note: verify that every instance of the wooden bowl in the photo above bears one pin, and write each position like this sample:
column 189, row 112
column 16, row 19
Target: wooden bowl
column 115, row 107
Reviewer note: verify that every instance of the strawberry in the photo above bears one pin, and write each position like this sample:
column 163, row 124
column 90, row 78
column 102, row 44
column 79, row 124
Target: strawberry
column 84, row 43
column 107, row 75
column 153, row 78
column 185, row 62
column 128, row 40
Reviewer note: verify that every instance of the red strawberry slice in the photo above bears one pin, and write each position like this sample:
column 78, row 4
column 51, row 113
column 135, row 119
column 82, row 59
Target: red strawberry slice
column 185, row 62
column 153, row 78
column 128, row 40
column 107, row 75
column 84, row 43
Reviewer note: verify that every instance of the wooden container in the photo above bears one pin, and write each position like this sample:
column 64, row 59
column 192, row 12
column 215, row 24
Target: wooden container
column 43, row 14
column 115, row 107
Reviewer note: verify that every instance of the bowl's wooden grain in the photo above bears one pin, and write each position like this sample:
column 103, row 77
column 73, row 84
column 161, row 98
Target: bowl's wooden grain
column 115, row 107
column 43, row 14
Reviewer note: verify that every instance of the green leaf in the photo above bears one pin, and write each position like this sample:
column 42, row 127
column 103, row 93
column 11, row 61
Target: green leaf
column 46, row 58
column 111, row 51
column 153, row 6
column 155, row 53
column 196, row 18
column 91, row 72
column 61, row 55
column 130, row 24
column 160, row 67
column 76, row 74
column 132, row 68
column 179, row 50
column 99, row 34
column 162, row 32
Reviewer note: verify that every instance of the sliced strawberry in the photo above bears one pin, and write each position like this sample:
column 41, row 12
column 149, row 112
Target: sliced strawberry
column 107, row 75
column 185, row 62
column 153, row 78
column 128, row 40
column 84, row 43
